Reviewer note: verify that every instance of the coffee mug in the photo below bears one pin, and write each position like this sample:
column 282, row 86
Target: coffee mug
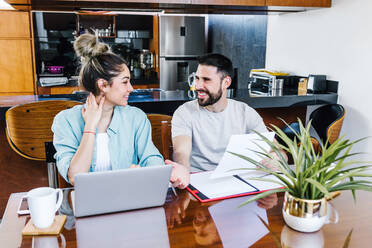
column 43, row 206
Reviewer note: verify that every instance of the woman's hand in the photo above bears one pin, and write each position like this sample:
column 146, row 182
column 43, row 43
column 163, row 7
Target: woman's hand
column 92, row 112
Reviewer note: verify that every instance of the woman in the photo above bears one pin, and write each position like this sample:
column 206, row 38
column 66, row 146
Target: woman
column 104, row 133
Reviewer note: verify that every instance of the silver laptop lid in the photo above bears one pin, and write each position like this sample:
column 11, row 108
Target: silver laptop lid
column 120, row 190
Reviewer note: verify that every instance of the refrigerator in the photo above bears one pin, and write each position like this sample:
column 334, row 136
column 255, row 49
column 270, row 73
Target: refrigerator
column 181, row 41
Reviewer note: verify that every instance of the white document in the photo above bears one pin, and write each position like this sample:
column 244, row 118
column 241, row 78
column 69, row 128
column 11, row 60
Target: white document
column 219, row 187
column 263, row 185
column 223, row 187
column 244, row 144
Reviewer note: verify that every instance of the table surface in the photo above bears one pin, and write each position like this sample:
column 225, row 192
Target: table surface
column 185, row 222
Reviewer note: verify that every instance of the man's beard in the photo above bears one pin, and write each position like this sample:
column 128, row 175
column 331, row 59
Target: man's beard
column 212, row 98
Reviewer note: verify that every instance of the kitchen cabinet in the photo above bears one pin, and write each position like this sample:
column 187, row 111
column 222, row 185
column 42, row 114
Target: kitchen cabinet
column 14, row 24
column 231, row 2
column 20, row 4
column 16, row 60
column 299, row 3
column 18, row 1
column 57, row 90
column 172, row 4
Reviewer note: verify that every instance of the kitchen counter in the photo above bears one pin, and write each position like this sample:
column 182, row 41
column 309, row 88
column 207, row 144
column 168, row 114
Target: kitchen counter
column 166, row 102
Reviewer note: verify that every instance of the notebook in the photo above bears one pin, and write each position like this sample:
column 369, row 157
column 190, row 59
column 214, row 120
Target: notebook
column 120, row 190
column 207, row 189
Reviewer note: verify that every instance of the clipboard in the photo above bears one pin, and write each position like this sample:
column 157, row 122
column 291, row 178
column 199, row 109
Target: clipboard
column 207, row 189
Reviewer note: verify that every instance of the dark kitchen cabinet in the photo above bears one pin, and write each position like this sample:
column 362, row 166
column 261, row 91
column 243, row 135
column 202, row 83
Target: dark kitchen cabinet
column 103, row 24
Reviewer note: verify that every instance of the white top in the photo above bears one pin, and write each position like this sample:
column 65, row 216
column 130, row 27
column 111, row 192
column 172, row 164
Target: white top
column 210, row 132
column 103, row 162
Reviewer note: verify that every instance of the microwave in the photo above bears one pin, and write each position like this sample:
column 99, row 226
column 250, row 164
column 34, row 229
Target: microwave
column 262, row 79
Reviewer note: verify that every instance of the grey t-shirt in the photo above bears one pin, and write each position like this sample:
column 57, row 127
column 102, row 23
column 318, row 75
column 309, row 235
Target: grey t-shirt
column 210, row 132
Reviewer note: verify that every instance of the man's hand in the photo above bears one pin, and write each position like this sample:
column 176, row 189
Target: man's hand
column 180, row 176
column 268, row 201
column 134, row 166
column 273, row 162
column 176, row 209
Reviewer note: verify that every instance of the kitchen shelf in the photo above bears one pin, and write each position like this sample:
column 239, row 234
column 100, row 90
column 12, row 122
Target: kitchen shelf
column 102, row 22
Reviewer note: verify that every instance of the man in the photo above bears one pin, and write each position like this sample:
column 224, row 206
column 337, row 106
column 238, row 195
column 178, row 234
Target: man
column 201, row 128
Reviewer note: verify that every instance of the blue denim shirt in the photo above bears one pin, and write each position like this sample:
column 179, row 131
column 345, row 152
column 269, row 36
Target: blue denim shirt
column 129, row 134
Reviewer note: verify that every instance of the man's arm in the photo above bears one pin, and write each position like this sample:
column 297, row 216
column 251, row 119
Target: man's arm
column 181, row 166
column 182, row 150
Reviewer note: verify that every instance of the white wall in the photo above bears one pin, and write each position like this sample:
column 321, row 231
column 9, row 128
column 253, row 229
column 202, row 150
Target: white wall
column 337, row 42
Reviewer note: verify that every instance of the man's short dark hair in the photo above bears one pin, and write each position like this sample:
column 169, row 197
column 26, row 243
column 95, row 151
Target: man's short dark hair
column 222, row 63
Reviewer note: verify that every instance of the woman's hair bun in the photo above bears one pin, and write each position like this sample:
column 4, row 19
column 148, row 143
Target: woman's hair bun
column 88, row 45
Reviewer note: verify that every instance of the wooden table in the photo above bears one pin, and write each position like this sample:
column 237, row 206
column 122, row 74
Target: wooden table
column 184, row 222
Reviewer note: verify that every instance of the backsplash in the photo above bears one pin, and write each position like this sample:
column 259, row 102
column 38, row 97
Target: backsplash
column 242, row 39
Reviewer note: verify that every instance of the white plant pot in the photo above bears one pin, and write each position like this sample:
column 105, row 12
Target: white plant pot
column 307, row 215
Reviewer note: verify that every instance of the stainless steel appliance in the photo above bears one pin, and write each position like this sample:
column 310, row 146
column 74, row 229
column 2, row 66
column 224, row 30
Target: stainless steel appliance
column 261, row 79
column 182, row 40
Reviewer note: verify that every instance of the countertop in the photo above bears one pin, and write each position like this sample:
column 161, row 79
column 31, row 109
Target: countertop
column 172, row 99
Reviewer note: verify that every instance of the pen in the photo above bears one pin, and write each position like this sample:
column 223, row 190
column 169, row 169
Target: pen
column 173, row 189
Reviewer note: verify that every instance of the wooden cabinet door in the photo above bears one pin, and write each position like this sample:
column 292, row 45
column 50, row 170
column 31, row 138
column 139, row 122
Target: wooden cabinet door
column 14, row 24
column 231, row 2
column 16, row 74
column 299, row 3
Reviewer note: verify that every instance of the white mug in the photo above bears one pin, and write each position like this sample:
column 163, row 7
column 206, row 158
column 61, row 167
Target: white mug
column 43, row 206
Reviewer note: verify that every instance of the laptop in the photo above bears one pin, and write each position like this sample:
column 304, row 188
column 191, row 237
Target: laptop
column 124, row 229
column 120, row 190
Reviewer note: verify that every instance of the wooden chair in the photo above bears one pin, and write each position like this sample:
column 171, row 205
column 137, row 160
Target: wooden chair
column 327, row 121
column 166, row 139
column 50, row 150
column 28, row 127
column 161, row 135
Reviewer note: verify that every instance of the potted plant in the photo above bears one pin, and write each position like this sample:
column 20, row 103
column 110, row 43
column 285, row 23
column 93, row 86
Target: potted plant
column 313, row 178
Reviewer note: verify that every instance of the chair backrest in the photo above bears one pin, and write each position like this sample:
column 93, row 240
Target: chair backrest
column 156, row 123
column 28, row 126
column 50, row 150
column 327, row 121
column 166, row 139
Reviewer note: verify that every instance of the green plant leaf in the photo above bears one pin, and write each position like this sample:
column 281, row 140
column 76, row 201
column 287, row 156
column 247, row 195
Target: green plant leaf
column 314, row 174
column 261, row 195
column 348, row 238
column 263, row 179
column 319, row 186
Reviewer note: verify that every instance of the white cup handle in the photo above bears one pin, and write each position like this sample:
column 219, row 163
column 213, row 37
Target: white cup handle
column 63, row 240
column 60, row 198
column 332, row 214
